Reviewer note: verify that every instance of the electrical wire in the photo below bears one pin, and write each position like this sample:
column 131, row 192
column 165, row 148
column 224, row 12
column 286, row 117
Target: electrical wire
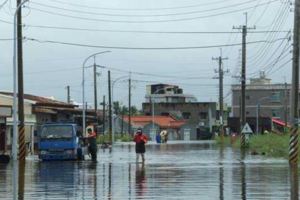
column 3, row 4
column 145, row 15
column 262, row 53
column 140, row 9
column 147, row 48
column 145, row 21
column 283, row 65
column 137, row 31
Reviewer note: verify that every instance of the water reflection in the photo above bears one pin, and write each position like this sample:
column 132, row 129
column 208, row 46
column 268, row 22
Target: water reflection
column 57, row 179
column 294, row 181
column 221, row 174
column 21, row 178
column 172, row 171
column 243, row 182
column 129, row 181
column 140, row 180
column 109, row 180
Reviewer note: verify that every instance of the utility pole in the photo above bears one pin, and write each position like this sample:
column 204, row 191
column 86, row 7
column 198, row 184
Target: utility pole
column 68, row 94
column 285, row 107
column 293, row 150
column 129, row 105
column 104, row 112
column 22, row 147
column 221, row 76
column 294, row 132
column 95, row 90
column 244, row 29
column 109, row 109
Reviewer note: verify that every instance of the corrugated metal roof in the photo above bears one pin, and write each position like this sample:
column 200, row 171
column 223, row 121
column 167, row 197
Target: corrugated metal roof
column 41, row 100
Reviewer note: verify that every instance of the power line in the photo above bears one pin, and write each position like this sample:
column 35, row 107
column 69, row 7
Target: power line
column 148, row 32
column 144, row 15
column 148, row 48
column 6, row 39
column 262, row 52
column 138, row 31
column 140, row 9
column 272, row 72
column 147, row 21
column 3, row 4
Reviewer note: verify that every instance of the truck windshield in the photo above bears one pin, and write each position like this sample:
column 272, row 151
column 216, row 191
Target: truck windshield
column 57, row 132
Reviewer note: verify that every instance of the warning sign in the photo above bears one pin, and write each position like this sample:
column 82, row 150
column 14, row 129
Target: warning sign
column 247, row 129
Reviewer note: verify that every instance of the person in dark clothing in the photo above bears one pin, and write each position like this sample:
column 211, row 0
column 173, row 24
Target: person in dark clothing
column 140, row 140
column 158, row 138
column 92, row 144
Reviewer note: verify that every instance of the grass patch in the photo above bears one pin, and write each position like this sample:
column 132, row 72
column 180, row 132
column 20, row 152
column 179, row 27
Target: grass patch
column 271, row 145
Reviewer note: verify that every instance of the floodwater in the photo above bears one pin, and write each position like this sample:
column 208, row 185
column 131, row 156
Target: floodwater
column 190, row 170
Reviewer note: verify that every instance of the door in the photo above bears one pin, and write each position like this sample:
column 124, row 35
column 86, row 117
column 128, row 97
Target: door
column 2, row 137
column 187, row 134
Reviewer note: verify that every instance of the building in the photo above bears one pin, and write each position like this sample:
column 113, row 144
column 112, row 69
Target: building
column 196, row 114
column 263, row 99
column 169, row 100
column 174, row 127
column 167, row 93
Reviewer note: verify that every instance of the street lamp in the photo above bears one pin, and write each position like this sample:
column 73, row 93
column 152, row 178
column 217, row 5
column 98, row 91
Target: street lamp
column 15, row 119
column 83, row 92
column 257, row 112
column 112, row 99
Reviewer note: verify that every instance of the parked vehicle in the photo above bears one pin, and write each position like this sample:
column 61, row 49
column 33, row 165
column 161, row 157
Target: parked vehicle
column 61, row 141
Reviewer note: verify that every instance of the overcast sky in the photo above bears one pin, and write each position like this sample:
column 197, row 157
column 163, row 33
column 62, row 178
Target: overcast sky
column 93, row 26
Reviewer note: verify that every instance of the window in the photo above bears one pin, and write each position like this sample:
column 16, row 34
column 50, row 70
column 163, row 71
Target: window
column 186, row 115
column 275, row 97
column 248, row 97
column 203, row 115
column 275, row 112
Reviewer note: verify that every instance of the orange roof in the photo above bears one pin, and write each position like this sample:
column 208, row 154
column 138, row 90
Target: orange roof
column 162, row 121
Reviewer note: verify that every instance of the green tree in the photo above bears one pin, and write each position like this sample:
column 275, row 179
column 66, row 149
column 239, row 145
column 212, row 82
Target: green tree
column 118, row 109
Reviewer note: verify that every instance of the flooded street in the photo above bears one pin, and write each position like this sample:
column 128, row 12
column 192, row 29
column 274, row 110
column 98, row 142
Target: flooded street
column 195, row 170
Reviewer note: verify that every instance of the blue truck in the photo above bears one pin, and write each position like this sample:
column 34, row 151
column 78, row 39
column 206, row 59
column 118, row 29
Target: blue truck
column 61, row 141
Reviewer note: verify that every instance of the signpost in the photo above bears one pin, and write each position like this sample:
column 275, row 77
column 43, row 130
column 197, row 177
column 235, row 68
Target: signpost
column 247, row 131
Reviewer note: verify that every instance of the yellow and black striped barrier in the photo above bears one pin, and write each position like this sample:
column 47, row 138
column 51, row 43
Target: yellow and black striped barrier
column 22, row 145
column 243, row 141
column 293, row 146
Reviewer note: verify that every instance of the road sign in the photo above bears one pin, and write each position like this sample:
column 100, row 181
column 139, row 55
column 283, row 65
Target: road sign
column 247, row 129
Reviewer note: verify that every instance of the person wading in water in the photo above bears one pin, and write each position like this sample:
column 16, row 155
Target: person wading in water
column 140, row 140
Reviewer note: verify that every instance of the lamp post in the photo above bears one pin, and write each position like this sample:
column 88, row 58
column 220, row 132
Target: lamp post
column 83, row 92
column 15, row 119
column 113, row 110
column 257, row 112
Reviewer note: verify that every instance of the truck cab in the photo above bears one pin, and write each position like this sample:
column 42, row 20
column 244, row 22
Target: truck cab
column 60, row 141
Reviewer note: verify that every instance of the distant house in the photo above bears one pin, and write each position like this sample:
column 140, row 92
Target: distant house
column 173, row 126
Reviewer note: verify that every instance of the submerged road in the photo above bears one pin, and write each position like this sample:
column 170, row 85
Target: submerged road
column 177, row 170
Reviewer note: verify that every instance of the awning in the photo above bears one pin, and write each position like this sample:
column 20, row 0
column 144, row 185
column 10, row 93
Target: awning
column 279, row 122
